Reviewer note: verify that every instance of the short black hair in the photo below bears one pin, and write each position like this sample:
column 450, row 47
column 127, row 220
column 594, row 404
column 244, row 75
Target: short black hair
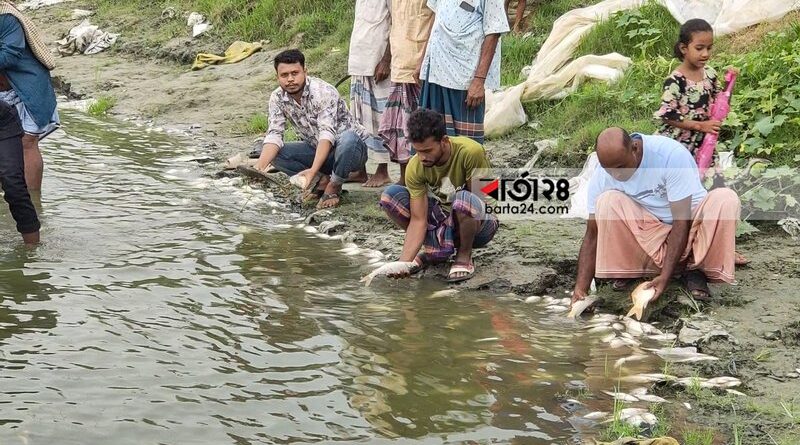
column 424, row 123
column 685, row 37
column 290, row 56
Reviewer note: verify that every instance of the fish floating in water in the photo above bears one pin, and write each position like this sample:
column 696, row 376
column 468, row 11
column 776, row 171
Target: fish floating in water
column 596, row 415
column 621, row 396
column 648, row 378
column 393, row 268
column 579, row 306
column 682, row 355
column 533, row 299
column 640, row 297
column 716, row 382
column 631, row 358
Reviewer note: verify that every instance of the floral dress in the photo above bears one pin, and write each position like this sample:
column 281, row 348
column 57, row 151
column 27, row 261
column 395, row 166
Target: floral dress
column 684, row 99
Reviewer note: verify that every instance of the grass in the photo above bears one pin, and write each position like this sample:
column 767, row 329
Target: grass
column 763, row 355
column 619, row 428
column 256, row 124
column 101, row 106
column 698, row 437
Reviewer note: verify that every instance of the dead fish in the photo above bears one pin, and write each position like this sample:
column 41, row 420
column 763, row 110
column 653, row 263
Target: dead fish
column 649, row 329
column 723, row 382
column 636, row 392
column 663, row 337
column 596, row 415
column 564, row 301
column 735, row 392
column 618, row 326
column 556, row 308
column 444, row 293
column 533, row 299
column 627, row 413
column 600, row 328
column 621, row 396
column 688, row 354
column 648, row 378
column 609, row 318
column 631, row 358
column 633, row 327
column 640, row 297
column 608, row 338
column 627, row 335
column 622, row 341
column 395, row 267
column 651, row 398
column 579, row 306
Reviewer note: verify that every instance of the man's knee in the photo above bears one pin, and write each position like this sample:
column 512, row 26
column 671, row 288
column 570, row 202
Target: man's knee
column 349, row 140
column 607, row 202
column 728, row 202
column 395, row 194
column 467, row 205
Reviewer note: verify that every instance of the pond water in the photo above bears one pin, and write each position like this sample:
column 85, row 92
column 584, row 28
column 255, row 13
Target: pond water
column 165, row 306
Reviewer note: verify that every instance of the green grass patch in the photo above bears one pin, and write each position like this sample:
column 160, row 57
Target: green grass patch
column 101, row 106
column 256, row 124
column 698, row 437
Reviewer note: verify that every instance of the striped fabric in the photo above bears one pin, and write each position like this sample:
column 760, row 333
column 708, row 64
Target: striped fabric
column 367, row 103
column 460, row 120
column 442, row 237
column 403, row 100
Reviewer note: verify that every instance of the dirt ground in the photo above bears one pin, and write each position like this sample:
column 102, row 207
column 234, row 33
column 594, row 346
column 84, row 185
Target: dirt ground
column 762, row 312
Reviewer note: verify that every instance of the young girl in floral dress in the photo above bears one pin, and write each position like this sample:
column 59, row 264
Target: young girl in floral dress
column 690, row 90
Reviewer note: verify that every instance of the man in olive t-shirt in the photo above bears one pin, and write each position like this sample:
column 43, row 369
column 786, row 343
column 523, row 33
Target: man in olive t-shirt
column 436, row 207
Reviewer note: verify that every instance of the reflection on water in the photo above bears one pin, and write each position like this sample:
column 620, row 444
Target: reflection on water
column 166, row 307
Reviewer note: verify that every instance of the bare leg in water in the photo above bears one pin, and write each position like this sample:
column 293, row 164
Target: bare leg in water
column 34, row 165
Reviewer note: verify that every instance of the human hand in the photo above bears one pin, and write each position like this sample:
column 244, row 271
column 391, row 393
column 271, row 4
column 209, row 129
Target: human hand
column 476, row 93
column 308, row 175
column 659, row 284
column 261, row 166
column 578, row 295
column 709, row 126
column 382, row 71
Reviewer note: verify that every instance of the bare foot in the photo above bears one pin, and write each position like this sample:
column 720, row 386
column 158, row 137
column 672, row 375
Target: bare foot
column 379, row 178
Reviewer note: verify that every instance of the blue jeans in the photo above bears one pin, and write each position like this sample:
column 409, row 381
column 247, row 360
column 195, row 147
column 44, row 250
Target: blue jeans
column 348, row 155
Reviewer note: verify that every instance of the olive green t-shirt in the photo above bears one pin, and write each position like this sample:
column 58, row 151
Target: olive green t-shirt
column 443, row 181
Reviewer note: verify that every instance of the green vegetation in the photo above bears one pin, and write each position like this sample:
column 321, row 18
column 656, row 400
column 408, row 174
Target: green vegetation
column 101, row 106
column 618, row 428
column 698, row 437
column 256, row 124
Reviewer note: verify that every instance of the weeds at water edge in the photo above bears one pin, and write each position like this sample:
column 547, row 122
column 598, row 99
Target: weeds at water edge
column 101, row 106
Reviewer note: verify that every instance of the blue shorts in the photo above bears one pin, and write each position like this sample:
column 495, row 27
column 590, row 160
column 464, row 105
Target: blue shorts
column 29, row 126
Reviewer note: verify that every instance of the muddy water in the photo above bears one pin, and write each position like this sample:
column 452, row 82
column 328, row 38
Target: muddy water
column 167, row 307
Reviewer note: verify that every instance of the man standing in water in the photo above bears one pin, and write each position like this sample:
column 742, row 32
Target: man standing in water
column 452, row 219
column 649, row 215
column 12, row 175
column 462, row 61
column 332, row 144
column 369, row 66
column 25, row 83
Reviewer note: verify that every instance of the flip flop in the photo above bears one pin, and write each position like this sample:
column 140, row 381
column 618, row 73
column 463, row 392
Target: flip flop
column 469, row 268
column 696, row 283
column 621, row 284
column 327, row 196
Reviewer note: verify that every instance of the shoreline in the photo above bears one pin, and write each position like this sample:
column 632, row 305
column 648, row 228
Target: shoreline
column 527, row 258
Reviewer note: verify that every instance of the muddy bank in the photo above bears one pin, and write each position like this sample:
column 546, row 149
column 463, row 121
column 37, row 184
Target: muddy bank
column 760, row 313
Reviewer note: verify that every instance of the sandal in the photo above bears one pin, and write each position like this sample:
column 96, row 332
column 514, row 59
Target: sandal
column 420, row 264
column 696, row 283
column 620, row 284
column 328, row 197
column 467, row 268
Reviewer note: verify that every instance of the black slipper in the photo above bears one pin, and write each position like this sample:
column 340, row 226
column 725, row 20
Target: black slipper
column 696, row 283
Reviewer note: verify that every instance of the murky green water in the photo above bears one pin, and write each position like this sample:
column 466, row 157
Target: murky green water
column 165, row 307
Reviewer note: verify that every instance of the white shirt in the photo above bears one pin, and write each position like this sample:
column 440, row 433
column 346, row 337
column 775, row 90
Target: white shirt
column 370, row 36
column 667, row 173
column 454, row 48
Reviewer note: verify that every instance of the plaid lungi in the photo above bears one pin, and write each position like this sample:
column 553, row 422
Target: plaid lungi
column 441, row 238
column 460, row 120
column 403, row 100
column 367, row 103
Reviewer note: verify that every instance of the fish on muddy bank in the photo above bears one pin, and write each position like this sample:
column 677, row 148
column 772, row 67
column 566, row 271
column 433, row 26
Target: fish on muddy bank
column 648, row 378
column 393, row 268
column 682, row 355
column 641, row 297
